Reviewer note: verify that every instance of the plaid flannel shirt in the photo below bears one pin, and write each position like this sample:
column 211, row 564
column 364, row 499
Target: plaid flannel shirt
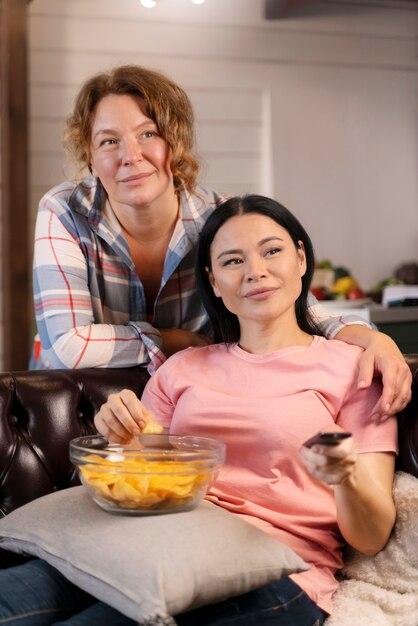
column 90, row 304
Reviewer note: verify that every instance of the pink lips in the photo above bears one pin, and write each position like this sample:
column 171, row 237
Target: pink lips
column 260, row 294
column 137, row 178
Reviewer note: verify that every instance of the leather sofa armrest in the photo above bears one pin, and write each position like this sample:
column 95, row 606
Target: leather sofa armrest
column 407, row 460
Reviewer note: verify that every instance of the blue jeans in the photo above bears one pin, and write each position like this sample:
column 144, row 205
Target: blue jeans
column 282, row 602
column 35, row 594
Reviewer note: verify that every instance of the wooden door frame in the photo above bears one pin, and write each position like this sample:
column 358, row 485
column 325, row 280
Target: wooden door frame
column 15, row 268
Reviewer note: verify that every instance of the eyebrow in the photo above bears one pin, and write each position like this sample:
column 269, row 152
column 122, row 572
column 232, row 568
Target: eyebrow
column 238, row 250
column 112, row 131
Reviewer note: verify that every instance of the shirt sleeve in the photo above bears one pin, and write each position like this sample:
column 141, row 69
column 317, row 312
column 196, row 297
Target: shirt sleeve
column 354, row 417
column 69, row 336
column 157, row 398
column 328, row 324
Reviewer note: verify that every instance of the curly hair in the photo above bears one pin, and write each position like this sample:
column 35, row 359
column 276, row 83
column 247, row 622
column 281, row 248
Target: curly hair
column 166, row 104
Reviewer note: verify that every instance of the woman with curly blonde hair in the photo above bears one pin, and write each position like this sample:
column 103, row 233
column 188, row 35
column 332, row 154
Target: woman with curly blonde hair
column 114, row 252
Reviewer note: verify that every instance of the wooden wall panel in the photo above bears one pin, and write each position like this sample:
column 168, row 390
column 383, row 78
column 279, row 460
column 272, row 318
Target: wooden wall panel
column 230, row 124
column 16, row 299
column 319, row 112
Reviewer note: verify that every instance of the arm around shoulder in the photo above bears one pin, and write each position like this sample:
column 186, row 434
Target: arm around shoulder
column 382, row 356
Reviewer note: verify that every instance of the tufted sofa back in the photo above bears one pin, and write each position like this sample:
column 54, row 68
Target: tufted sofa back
column 40, row 411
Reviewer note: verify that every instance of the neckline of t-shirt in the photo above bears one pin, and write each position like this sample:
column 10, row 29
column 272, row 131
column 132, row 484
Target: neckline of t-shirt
column 277, row 354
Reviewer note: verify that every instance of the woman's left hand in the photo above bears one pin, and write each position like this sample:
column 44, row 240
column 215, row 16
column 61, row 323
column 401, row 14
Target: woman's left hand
column 383, row 356
column 331, row 464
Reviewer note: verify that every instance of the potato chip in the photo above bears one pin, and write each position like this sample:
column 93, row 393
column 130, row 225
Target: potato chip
column 152, row 427
column 138, row 483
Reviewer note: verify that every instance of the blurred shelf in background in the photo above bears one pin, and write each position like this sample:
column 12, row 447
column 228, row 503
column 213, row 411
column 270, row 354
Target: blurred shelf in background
column 399, row 322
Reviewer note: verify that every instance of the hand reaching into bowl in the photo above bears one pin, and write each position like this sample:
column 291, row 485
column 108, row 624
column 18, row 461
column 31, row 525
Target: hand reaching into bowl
column 123, row 417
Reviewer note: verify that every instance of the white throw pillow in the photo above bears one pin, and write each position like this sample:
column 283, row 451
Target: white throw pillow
column 148, row 568
column 396, row 566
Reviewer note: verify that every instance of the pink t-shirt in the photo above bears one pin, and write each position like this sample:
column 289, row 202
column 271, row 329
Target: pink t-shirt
column 264, row 407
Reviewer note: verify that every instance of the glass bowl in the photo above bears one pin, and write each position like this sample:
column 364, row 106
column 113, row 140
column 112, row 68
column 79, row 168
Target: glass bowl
column 156, row 473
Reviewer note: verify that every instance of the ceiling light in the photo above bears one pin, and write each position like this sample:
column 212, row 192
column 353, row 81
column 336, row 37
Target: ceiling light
column 150, row 4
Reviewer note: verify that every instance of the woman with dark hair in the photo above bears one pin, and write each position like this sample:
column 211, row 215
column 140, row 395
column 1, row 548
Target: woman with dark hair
column 265, row 390
column 114, row 282
column 225, row 323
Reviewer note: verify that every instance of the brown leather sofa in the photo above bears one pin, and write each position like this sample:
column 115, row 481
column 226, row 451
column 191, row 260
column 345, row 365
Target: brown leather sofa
column 41, row 411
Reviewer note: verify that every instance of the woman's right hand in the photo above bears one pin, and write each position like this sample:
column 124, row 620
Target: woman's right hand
column 176, row 339
column 122, row 417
